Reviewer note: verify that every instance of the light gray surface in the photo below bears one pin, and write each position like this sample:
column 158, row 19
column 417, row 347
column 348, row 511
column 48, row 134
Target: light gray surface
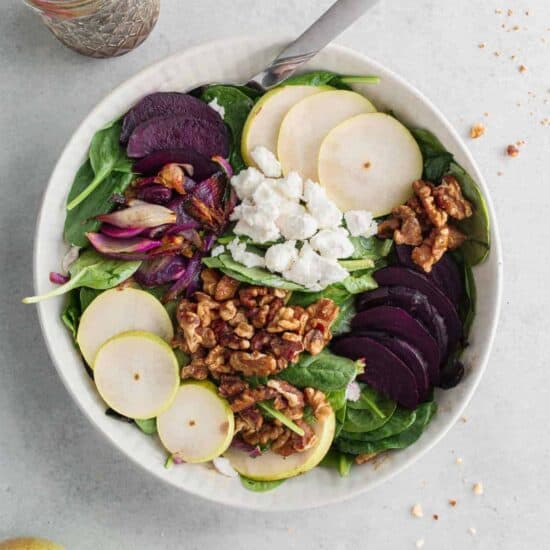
column 59, row 478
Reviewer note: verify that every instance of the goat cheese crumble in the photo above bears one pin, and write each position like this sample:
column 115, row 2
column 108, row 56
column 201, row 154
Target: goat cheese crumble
column 267, row 162
column 360, row 223
column 220, row 109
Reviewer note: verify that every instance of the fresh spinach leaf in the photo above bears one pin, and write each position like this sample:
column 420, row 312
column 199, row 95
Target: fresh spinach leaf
column 328, row 78
column 309, row 415
column 256, row 381
column 337, row 294
column 340, row 416
column 72, row 312
column 148, row 426
column 260, row 486
column 82, row 219
column 437, row 159
column 87, row 296
column 400, row 420
column 336, row 398
column 370, row 247
column 237, row 105
column 181, row 357
column 105, row 154
column 325, row 371
column 94, row 271
column 360, row 282
column 272, row 412
column 342, row 323
column 339, row 461
column 357, row 265
column 369, row 413
column 424, row 414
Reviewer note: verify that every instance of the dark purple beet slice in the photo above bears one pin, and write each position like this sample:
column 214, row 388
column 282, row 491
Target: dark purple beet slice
column 203, row 167
column 162, row 104
column 444, row 274
column 401, row 276
column 398, row 322
column 413, row 302
column 384, row 371
column 177, row 131
column 408, row 354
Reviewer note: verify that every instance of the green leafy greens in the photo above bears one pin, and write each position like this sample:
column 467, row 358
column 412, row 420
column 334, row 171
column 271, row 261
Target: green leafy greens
column 260, row 486
column 328, row 78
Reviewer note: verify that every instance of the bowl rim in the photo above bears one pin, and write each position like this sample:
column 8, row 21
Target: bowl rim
column 496, row 249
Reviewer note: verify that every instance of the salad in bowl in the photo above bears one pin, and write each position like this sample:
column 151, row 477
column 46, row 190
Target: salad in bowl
column 271, row 282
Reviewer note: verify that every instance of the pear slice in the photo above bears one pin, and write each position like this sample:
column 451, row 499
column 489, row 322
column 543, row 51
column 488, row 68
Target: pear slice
column 136, row 374
column 120, row 310
column 29, row 543
column 368, row 162
column 270, row 466
column 264, row 120
column 198, row 425
column 307, row 123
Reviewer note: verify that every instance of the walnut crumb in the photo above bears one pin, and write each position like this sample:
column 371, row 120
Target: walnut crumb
column 499, row 173
column 477, row 488
column 472, row 531
column 516, row 28
column 509, row 12
column 420, row 543
column 477, row 130
column 512, row 151
column 522, row 68
column 417, row 511
column 463, row 419
column 459, row 460
column 485, row 113
column 436, row 517
column 498, row 10
column 496, row 53
column 452, row 502
column 482, row 45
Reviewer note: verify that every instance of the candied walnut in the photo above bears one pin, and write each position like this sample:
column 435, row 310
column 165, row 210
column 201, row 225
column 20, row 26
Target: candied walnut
column 274, row 306
column 512, row 151
column 280, row 293
column 361, row 459
column 258, row 316
column 317, row 400
column 226, row 289
column 456, row 238
column 294, row 397
column 210, row 278
column 321, row 316
column 448, row 197
column 189, row 323
column 238, row 318
column 409, row 231
column 260, row 340
column 424, row 191
column 207, row 336
column 228, row 310
column 253, row 364
column 286, row 347
column 296, row 443
column 314, row 342
column 268, row 432
column 251, row 396
column 197, row 369
column 281, row 441
column 431, row 249
column 387, row 228
column 244, row 330
column 250, row 295
column 215, row 357
column 206, row 308
column 231, row 385
column 283, row 320
column 250, row 420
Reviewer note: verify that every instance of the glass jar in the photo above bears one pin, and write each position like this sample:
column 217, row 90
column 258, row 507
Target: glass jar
column 99, row 28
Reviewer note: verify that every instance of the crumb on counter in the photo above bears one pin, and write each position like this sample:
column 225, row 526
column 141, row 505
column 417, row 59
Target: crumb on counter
column 522, row 68
column 452, row 502
column 417, row 511
column 477, row 130
column 436, row 517
column 459, row 460
column 509, row 12
column 499, row 173
column 496, row 53
column 512, row 150
column 481, row 45
column 472, row 531
column 477, row 488
column 463, row 419
column 420, row 543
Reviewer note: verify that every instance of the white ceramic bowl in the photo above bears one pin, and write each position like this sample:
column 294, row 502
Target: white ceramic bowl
column 235, row 60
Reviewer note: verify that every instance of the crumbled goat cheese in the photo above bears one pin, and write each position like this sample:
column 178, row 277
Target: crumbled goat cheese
column 291, row 187
column 298, row 227
column 280, row 257
column 332, row 243
column 353, row 391
column 267, row 162
column 224, row 467
column 360, row 223
column 240, row 254
column 217, row 250
column 220, row 109
column 327, row 214
column 246, row 181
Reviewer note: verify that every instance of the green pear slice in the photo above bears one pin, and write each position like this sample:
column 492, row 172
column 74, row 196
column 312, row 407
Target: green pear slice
column 264, row 120
column 120, row 310
column 307, row 123
column 270, row 466
column 136, row 374
column 29, row 543
column 198, row 425
column 368, row 163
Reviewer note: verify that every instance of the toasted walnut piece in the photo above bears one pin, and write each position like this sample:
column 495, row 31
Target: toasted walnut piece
column 423, row 190
column 266, row 300
column 281, row 293
column 324, row 309
column 448, row 196
column 210, row 278
column 387, row 228
column 512, row 151
column 238, row 318
column 253, row 364
column 258, row 316
column 228, row 310
column 226, row 289
column 215, row 357
column 456, row 238
column 293, row 396
column 244, row 330
column 260, row 340
column 207, row 336
column 286, row 348
column 314, row 341
column 283, row 320
column 431, row 249
column 281, row 441
column 206, row 308
column 249, row 420
column 296, row 443
column 189, row 323
column 361, row 459
column 197, row 369
column 317, row 400
column 477, row 130
column 231, row 385
column 251, row 396
column 250, row 295
column 185, row 306
column 409, row 231
column 267, row 433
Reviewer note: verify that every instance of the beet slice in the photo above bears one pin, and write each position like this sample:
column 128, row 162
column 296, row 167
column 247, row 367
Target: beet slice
column 401, row 276
column 413, row 302
column 408, row 354
column 444, row 274
column 203, row 167
column 398, row 322
column 161, row 104
column 384, row 371
column 177, row 131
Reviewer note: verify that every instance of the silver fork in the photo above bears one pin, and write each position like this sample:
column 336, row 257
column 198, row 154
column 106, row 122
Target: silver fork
column 332, row 23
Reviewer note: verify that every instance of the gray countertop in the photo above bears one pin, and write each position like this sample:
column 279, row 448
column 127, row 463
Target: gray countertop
column 60, row 479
